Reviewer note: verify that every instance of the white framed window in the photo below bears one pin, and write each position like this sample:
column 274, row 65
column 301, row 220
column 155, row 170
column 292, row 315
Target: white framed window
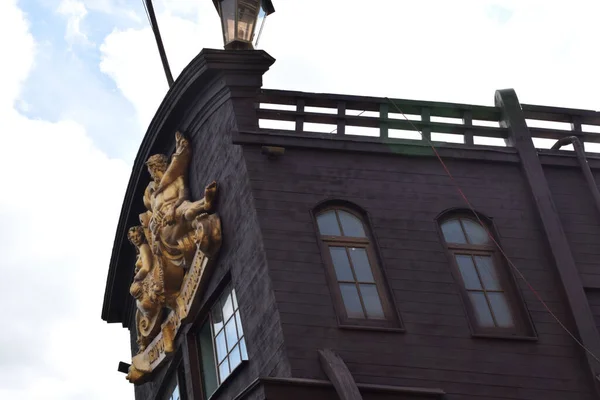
column 222, row 342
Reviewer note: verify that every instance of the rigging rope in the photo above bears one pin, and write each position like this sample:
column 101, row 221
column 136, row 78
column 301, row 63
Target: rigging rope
column 484, row 226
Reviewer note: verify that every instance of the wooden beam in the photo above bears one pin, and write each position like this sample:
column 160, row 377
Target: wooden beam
column 159, row 42
column 513, row 118
column 338, row 373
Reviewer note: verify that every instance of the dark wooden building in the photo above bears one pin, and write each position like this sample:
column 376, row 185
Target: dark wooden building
column 351, row 262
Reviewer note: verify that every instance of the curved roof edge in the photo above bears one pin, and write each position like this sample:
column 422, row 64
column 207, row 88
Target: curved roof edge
column 206, row 67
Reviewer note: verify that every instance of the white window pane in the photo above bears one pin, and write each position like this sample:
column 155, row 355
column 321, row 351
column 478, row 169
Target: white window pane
column 328, row 224
column 351, row 300
column 234, row 358
column 247, row 16
column 372, row 301
column 468, row 272
column 475, row 232
column 482, row 310
column 227, row 307
column 360, row 261
column 341, row 264
column 501, row 310
column 238, row 321
column 224, row 370
column 231, row 334
column 221, row 346
column 243, row 349
column 217, row 317
column 234, row 297
column 453, row 233
column 351, row 226
column 175, row 395
column 487, row 272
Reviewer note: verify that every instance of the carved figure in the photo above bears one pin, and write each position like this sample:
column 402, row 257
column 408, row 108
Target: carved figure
column 171, row 230
column 147, row 289
column 172, row 211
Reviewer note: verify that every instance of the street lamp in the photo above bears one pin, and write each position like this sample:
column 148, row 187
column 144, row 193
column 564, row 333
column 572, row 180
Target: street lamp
column 239, row 19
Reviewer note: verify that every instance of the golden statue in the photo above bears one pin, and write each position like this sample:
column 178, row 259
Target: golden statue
column 147, row 289
column 172, row 230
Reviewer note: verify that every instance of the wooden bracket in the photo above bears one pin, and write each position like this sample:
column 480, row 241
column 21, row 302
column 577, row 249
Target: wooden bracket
column 339, row 374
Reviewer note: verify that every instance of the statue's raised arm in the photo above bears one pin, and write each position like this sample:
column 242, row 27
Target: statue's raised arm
column 179, row 162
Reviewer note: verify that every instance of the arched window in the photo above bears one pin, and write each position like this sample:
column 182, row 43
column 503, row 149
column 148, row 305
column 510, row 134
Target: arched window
column 362, row 297
column 493, row 301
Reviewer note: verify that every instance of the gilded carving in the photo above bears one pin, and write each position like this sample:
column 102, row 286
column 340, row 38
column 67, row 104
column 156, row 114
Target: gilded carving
column 173, row 242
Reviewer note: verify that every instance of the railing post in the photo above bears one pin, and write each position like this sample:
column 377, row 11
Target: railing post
column 383, row 124
column 426, row 119
column 468, row 122
column 300, row 103
column 576, row 124
column 341, row 122
column 520, row 137
column 577, row 130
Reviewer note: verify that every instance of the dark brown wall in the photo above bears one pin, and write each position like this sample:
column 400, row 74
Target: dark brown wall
column 242, row 252
column 403, row 195
column 579, row 217
column 216, row 158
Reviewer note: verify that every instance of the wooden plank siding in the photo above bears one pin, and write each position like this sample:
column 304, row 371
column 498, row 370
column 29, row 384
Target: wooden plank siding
column 580, row 219
column 402, row 196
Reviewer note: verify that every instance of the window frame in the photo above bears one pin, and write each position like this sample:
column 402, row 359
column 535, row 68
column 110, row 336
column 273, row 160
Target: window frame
column 174, row 378
column 523, row 325
column 392, row 320
column 195, row 349
column 209, row 319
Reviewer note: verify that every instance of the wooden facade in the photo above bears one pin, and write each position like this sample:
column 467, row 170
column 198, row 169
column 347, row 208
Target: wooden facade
column 281, row 157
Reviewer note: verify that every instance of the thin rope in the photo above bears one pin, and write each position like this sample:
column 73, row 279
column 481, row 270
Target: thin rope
column 484, row 226
column 357, row 115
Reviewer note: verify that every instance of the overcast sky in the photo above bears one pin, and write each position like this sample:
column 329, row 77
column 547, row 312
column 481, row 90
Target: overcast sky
column 81, row 79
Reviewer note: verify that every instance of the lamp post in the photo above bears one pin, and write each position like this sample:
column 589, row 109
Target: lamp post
column 239, row 19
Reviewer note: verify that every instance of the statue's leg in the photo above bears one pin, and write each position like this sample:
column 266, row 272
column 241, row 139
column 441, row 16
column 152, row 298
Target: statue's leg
column 209, row 196
column 193, row 209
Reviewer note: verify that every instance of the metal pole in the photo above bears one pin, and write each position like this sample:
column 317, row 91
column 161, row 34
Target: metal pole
column 159, row 43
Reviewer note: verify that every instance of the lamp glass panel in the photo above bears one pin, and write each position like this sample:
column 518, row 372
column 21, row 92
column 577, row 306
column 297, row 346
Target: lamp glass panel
column 247, row 14
column 228, row 20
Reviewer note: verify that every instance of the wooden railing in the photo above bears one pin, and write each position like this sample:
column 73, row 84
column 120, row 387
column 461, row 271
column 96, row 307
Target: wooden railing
column 386, row 119
column 556, row 123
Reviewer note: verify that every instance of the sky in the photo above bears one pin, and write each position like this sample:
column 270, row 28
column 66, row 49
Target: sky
column 81, row 79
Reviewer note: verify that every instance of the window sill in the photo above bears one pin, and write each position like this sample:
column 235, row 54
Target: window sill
column 371, row 328
column 501, row 336
column 231, row 376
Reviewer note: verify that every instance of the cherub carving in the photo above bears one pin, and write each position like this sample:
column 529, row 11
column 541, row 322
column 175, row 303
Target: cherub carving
column 147, row 288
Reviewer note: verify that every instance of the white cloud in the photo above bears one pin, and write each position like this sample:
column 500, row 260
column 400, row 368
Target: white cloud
column 139, row 74
column 75, row 12
column 16, row 41
column 58, row 216
column 458, row 51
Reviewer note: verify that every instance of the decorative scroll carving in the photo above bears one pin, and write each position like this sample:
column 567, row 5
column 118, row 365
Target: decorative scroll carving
column 174, row 242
